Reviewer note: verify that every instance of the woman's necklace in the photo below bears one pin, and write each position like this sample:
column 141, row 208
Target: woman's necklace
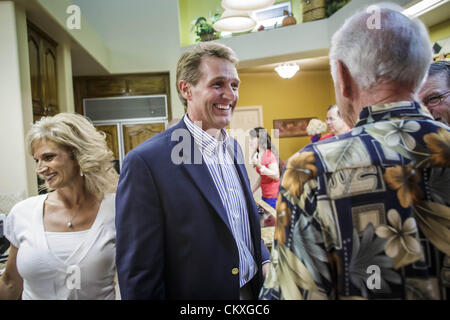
column 69, row 223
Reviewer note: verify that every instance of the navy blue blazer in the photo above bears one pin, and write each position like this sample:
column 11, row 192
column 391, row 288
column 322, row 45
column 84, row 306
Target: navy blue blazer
column 173, row 236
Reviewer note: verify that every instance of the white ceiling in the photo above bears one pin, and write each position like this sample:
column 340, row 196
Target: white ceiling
column 137, row 25
column 146, row 30
column 437, row 15
column 310, row 64
column 430, row 19
column 122, row 23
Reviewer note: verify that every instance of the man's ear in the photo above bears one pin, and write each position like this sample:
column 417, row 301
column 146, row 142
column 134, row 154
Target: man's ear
column 185, row 89
column 345, row 79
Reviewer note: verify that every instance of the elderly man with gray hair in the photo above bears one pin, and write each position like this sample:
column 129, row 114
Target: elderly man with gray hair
column 365, row 215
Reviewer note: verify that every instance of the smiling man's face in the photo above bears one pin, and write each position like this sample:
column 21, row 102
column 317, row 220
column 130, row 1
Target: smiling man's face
column 435, row 86
column 213, row 99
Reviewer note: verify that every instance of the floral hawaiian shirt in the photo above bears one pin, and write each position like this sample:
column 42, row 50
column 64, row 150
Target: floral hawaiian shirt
column 366, row 215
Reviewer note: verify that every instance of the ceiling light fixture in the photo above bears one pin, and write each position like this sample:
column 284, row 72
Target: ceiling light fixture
column 246, row 5
column 287, row 70
column 235, row 21
column 422, row 7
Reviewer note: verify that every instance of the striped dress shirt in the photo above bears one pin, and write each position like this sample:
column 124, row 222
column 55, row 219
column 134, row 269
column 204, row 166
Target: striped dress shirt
column 220, row 163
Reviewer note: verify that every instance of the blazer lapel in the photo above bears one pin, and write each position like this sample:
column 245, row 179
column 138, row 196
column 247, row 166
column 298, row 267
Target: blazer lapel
column 197, row 169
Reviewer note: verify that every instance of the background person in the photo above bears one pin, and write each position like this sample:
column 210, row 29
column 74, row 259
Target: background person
column 265, row 161
column 187, row 224
column 366, row 216
column 315, row 128
column 435, row 93
column 63, row 242
column 335, row 124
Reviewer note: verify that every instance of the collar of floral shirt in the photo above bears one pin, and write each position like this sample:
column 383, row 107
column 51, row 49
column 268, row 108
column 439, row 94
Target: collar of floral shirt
column 380, row 112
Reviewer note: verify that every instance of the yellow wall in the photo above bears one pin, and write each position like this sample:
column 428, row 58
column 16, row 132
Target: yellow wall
column 307, row 94
column 190, row 10
column 440, row 31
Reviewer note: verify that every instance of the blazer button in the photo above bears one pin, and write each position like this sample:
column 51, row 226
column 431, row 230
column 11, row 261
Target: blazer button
column 235, row 271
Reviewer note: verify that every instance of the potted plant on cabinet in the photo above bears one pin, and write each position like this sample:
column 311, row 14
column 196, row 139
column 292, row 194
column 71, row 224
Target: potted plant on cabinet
column 204, row 29
column 335, row 5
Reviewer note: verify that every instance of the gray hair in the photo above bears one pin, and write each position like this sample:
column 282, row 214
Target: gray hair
column 441, row 68
column 397, row 50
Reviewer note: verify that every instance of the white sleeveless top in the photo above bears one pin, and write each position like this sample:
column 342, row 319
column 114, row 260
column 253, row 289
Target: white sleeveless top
column 62, row 244
column 88, row 270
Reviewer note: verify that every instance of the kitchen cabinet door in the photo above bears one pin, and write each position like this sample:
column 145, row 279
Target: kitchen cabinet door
column 135, row 134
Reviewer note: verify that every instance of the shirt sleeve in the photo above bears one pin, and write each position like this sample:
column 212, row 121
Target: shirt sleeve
column 300, row 267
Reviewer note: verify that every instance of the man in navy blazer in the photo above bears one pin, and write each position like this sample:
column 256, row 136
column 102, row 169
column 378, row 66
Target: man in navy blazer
column 187, row 225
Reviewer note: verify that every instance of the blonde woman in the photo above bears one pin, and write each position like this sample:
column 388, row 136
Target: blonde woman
column 63, row 242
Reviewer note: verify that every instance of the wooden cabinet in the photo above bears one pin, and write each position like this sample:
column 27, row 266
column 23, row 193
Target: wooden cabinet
column 111, row 138
column 120, row 85
column 125, row 128
column 105, row 87
column 146, row 85
column 135, row 134
column 44, row 89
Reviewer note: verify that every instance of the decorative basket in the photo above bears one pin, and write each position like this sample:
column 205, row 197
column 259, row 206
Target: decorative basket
column 314, row 10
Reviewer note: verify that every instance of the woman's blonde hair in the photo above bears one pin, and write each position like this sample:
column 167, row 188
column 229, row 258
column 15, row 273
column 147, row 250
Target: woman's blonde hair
column 88, row 147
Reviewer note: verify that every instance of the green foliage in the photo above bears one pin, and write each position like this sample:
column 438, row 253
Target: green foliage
column 203, row 26
column 335, row 5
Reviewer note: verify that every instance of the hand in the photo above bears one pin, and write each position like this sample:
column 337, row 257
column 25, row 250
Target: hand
column 255, row 160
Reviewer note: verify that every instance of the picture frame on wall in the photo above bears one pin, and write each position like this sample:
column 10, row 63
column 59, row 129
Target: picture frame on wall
column 272, row 16
column 295, row 127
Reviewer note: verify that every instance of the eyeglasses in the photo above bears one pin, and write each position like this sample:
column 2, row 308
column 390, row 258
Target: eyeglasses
column 435, row 100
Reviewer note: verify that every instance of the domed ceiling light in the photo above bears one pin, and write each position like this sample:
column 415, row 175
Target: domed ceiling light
column 235, row 21
column 246, row 5
column 287, row 70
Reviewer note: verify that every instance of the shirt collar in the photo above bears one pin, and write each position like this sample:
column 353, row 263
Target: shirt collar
column 207, row 143
column 387, row 111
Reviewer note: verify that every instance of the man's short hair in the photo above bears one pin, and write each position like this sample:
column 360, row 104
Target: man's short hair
column 442, row 68
column 396, row 49
column 188, row 67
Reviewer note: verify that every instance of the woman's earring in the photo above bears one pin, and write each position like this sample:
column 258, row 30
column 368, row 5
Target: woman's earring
column 81, row 173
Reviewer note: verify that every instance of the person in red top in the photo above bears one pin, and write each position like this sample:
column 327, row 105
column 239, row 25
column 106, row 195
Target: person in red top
column 265, row 160
column 335, row 124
